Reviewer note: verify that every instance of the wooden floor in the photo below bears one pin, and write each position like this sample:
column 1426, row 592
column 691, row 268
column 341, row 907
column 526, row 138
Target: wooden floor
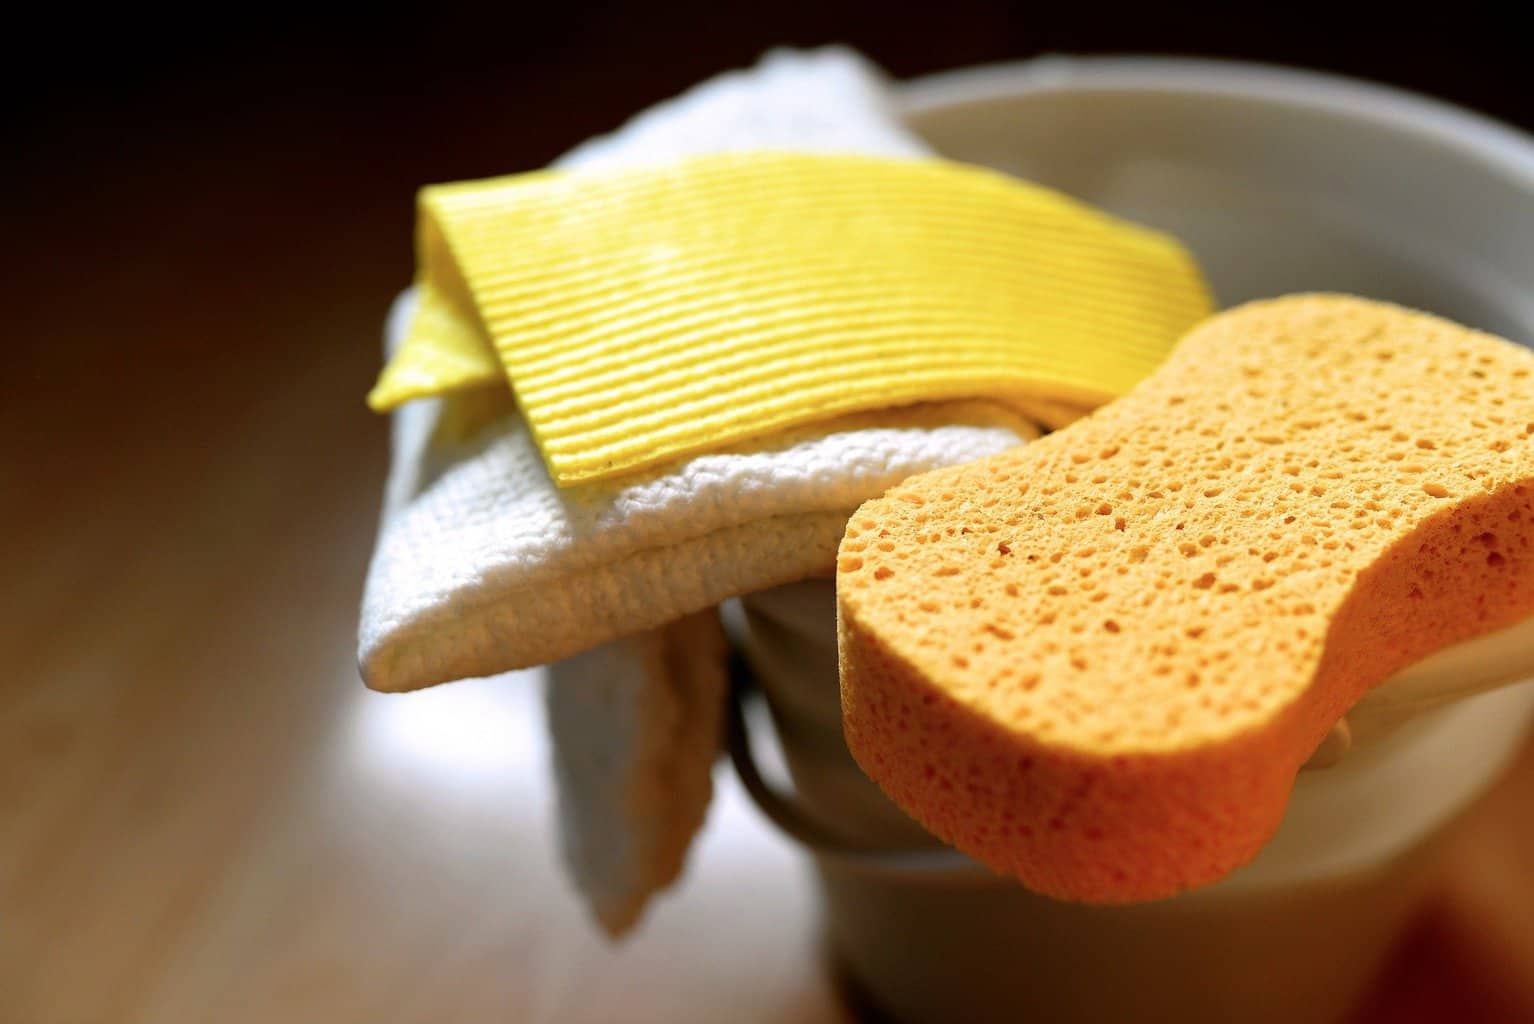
column 203, row 815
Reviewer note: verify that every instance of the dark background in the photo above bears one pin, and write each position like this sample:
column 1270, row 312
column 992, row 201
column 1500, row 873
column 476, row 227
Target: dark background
column 281, row 145
column 244, row 138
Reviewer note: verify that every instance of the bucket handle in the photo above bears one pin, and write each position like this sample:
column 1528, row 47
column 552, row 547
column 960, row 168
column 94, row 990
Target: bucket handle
column 796, row 822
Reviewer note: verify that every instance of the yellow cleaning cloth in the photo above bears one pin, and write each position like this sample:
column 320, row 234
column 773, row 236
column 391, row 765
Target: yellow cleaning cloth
column 643, row 315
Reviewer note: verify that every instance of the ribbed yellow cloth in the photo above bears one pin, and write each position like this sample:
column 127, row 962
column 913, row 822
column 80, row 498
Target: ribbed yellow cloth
column 648, row 314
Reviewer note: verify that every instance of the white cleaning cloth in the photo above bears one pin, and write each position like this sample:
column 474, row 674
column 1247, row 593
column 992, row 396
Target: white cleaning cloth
column 636, row 727
column 483, row 565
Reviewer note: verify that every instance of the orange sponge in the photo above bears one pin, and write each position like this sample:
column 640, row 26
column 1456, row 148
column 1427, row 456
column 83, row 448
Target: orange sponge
column 1097, row 662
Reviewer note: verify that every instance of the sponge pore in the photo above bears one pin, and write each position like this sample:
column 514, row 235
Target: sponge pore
column 1096, row 663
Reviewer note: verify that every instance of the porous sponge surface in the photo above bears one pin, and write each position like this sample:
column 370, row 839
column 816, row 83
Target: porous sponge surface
column 1096, row 663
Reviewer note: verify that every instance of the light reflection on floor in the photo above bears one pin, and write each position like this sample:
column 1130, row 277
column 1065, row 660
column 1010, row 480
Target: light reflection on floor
column 471, row 731
column 468, row 762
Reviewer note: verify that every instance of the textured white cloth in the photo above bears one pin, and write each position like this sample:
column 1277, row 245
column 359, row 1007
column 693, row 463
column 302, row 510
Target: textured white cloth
column 636, row 726
column 491, row 567
column 483, row 565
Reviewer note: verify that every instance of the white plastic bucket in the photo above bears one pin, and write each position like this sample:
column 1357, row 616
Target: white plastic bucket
column 1280, row 181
